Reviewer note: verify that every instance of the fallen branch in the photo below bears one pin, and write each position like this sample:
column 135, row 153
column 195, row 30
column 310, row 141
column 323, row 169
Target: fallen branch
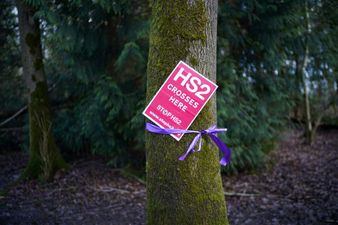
column 231, row 194
column 111, row 189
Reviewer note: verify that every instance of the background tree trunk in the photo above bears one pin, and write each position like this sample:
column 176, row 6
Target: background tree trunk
column 190, row 191
column 45, row 158
column 308, row 129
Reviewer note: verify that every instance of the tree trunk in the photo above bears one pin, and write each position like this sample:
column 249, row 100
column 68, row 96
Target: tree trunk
column 45, row 158
column 190, row 191
column 308, row 128
column 301, row 64
column 308, row 120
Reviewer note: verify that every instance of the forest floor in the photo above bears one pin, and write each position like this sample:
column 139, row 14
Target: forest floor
column 300, row 187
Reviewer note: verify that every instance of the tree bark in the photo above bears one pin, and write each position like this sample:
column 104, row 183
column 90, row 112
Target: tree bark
column 308, row 120
column 45, row 159
column 308, row 129
column 190, row 191
column 301, row 64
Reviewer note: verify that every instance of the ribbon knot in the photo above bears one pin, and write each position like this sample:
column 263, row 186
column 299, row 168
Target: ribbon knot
column 211, row 132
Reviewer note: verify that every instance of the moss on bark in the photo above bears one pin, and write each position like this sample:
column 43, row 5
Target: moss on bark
column 44, row 159
column 41, row 157
column 190, row 191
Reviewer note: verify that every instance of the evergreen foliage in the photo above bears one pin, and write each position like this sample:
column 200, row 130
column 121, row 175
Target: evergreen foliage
column 96, row 54
column 100, row 70
column 11, row 81
column 260, row 85
column 253, row 97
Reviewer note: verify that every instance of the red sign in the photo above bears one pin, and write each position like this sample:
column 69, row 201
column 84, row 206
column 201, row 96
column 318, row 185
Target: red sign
column 180, row 99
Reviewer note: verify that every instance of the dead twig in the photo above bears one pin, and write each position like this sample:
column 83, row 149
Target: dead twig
column 239, row 194
column 23, row 109
column 110, row 189
column 18, row 113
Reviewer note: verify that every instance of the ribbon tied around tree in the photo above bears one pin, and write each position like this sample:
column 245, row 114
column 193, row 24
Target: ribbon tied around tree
column 211, row 132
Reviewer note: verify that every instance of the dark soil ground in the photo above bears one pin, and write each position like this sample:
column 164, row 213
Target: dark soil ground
column 300, row 188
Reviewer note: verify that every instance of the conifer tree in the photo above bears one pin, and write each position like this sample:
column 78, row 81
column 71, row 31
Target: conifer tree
column 190, row 191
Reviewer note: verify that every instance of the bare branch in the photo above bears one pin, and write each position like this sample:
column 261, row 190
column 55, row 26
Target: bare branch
column 23, row 109
column 18, row 113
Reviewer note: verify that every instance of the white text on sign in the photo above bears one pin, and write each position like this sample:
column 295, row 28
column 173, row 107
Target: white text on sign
column 194, row 84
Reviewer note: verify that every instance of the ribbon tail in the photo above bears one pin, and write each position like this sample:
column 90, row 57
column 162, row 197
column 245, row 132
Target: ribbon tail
column 224, row 149
column 191, row 147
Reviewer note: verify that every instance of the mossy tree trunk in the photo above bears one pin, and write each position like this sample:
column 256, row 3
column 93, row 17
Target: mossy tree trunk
column 45, row 159
column 186, row 192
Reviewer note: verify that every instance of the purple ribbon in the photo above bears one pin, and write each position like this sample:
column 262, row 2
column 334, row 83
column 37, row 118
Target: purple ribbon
column 211, row 132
